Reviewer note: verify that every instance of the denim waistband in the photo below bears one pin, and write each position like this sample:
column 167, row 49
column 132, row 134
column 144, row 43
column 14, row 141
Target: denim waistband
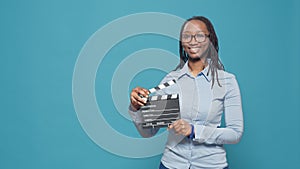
column 161, row 166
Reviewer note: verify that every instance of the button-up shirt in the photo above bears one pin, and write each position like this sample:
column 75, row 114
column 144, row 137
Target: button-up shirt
column 202, row 105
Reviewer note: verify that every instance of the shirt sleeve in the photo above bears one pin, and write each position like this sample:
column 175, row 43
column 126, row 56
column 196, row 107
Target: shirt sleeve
column 137, row 120
column 233, row 131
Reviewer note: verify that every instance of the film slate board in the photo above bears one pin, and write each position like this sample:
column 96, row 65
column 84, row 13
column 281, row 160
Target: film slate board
column 160, row 110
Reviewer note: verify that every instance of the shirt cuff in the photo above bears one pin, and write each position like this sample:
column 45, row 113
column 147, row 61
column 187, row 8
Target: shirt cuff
column 198, row 132
column 192, row 135
column 135, row 115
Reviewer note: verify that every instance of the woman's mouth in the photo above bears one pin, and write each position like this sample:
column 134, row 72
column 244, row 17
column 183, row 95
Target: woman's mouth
column 194, row 49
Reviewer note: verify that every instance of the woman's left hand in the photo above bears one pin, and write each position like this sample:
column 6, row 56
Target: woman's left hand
column 181, row 127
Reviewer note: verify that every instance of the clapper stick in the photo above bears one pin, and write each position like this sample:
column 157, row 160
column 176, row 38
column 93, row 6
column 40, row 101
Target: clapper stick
column 162, row 86
column 159, row 87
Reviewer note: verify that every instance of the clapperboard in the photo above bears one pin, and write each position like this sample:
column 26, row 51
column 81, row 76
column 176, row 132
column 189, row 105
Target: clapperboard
column 160, row 110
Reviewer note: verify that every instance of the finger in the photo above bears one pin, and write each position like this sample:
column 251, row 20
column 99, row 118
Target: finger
column 144, row 92
column 136, row 102
column 177, row 128
column 187, row 131
column 140, row 103
column 141, row 91
column 179, row 131
column 138, row 98
column 172, row 126
column 181, row 127
column 179, row 123
column 176, row 123
column 141, row 100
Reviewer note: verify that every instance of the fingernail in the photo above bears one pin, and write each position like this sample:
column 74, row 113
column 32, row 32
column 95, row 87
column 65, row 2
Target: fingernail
column 144, row 100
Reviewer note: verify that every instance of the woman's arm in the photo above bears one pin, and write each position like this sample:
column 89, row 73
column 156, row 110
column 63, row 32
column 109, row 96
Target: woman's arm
column 137, row 120
column 233, row 131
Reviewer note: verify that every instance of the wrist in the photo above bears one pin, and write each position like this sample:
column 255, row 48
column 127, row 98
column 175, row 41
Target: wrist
column 133, row 108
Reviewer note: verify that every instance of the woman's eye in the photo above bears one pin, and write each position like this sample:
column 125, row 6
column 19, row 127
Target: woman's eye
column 200, row 35
column 186, row 36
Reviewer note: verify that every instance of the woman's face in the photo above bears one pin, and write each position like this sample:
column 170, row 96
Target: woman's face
column 194, row 39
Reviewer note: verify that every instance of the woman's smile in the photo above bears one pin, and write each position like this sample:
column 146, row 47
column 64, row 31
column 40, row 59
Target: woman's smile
column 194, row 50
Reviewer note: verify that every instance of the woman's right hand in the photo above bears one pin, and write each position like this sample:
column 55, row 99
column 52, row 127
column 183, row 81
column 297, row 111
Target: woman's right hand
column 135, row 97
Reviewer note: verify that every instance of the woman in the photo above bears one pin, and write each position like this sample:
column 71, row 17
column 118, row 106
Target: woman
column 206, row 92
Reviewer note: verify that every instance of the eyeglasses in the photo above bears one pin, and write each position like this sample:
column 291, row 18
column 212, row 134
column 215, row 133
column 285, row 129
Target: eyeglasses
column 199, row 37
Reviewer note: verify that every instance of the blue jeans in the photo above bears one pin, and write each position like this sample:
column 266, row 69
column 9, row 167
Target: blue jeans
column 161, row 166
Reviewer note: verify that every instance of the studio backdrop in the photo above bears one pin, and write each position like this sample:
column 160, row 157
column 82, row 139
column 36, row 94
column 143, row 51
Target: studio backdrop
column 67, row 69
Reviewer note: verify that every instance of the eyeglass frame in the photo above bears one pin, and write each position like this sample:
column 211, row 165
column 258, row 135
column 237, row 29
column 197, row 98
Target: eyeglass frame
column 194, row 37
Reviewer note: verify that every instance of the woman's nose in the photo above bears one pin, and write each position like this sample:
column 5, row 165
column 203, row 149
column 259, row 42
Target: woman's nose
column 193, row 41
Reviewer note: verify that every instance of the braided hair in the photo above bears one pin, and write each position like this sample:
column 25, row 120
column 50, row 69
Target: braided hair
column 215, row 63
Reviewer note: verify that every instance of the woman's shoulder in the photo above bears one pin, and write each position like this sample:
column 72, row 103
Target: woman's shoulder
column 224, row 75
column 174, row 74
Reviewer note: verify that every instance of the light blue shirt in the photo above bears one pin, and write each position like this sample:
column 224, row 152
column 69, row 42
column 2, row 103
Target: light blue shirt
column 201, row 105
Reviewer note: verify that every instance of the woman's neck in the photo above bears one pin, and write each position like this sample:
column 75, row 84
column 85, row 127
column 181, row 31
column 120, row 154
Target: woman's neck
column 196, row 66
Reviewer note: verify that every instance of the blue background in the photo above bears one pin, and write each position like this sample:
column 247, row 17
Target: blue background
column 40, row 41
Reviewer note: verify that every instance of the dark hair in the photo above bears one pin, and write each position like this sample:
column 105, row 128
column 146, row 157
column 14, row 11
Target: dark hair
column 215, row 63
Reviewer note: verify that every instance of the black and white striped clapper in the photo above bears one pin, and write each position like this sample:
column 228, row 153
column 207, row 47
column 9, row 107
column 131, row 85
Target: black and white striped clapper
column 160, row 110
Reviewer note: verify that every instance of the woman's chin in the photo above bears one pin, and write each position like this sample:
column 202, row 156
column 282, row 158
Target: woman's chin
column 194, row 56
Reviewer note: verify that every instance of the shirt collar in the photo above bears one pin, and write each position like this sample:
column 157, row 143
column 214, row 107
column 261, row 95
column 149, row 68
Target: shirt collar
column 186, row 71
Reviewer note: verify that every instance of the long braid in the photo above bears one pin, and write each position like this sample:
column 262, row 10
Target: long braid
column 215, row 63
